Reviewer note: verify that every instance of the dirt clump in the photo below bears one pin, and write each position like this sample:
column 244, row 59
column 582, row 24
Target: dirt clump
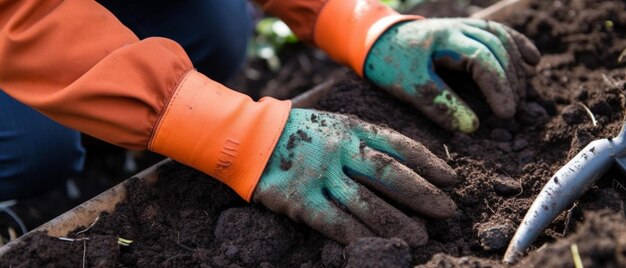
column 495, row 236
column 374, row 252
column 601, row 242
column 267, row 239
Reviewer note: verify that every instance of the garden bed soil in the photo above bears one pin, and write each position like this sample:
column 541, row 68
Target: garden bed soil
column 188, row 219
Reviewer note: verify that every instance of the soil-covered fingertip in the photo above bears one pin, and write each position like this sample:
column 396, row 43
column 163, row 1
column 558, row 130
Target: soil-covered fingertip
column 384, row 219
column 529, row 51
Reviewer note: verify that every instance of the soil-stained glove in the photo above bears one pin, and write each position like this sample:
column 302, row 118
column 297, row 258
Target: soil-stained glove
column 334, row 173
column 404, row 59
column 401, row 53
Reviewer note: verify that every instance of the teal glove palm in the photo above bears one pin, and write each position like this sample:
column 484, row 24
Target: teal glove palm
column 404, row 59
column 325, row 168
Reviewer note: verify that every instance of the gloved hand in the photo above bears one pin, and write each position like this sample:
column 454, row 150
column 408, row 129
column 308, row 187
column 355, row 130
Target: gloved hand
column 403, row 61
column 332, row 172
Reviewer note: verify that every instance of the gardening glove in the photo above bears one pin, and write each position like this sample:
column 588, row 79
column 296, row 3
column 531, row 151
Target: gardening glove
column 404, row 60
column 401, row 54
column 334, row 173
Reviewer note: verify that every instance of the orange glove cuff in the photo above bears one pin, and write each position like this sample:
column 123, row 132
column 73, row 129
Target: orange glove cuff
column 347, row 29
column 220, row 131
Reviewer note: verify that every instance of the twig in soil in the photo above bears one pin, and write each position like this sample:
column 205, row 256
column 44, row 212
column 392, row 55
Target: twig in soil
column 578, row 263
column 69, row 239
column 180, row 244
column 173, row 257
column 487, row 204
column 184, row 247
column 89, row 227
column 447, row 152
column 521, row 188
column 608, row 81
column 622, row 56
column 593, row 118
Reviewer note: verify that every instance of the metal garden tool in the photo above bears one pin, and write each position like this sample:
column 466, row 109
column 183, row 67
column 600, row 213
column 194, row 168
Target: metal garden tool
column 565, row 187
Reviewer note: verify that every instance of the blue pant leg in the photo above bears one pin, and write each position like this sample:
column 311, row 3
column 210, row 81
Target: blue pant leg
column 35, row 152
column 214, row 33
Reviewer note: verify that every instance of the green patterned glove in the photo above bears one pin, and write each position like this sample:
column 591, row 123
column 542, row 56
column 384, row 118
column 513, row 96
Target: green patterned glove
column 405, row 58
column 332, row 172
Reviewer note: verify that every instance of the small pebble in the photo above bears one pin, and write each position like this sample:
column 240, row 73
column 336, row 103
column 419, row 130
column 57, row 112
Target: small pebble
column 495, row 236
column 506, row 186
column 573, row 114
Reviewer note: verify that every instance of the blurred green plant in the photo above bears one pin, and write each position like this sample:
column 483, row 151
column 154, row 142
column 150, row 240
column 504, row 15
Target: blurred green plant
column 272, row 34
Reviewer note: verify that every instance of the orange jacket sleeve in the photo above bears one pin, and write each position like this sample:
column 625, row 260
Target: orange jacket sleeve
column 345, row 29
column 75, row 62
column 300, row 15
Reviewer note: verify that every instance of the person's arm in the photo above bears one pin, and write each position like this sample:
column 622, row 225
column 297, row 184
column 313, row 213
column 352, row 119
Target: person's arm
column 75, row 62
column 402, row 54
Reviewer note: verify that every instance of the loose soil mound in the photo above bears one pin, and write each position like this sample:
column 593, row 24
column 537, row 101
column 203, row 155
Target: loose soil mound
column 188, row 219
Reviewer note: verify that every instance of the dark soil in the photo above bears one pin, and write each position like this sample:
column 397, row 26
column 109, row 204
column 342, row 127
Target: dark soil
column 188, row 219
